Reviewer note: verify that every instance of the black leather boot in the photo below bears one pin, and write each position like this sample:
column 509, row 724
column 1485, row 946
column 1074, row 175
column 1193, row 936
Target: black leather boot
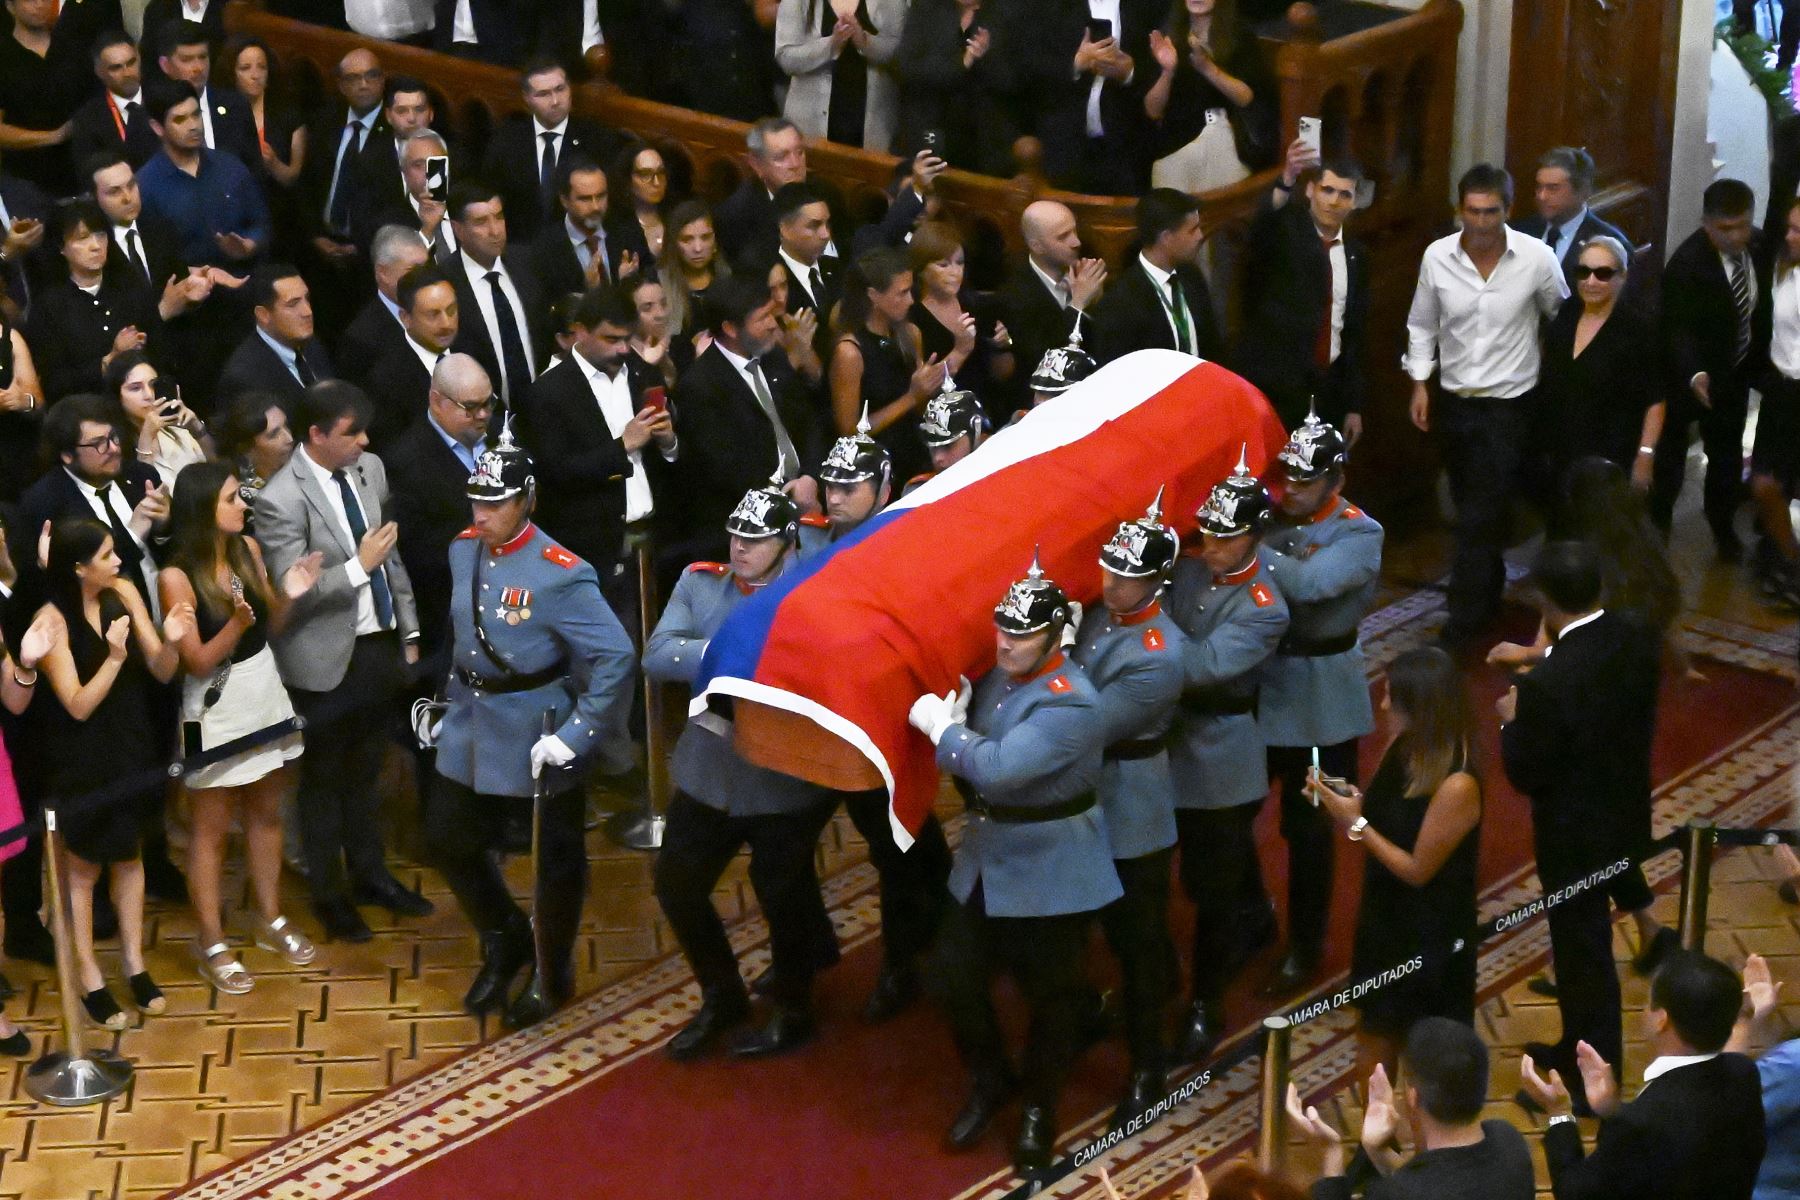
column 719, row 1011
column 503, row 953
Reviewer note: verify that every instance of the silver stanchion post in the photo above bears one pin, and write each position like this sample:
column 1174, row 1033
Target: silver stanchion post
column 1271, row 1149
column 643, row 829
column 75, row 1075
column 1698, row 840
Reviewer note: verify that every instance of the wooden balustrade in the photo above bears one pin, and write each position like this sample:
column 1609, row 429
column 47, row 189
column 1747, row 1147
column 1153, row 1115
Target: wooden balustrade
column 1386, row 95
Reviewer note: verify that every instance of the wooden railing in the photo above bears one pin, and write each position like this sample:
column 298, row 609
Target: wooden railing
column 1386, row 95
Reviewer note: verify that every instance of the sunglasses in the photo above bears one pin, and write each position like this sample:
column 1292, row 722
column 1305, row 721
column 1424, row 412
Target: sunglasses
column 1603, row 274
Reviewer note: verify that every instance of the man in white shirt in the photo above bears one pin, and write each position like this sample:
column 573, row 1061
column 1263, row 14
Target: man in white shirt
column 1475, row 316
column 499, row 295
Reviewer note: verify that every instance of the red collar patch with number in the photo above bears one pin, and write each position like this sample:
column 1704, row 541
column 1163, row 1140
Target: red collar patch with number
column 1059, row 685
column 1261, row 595
column 560, row 557
column 1153, row 639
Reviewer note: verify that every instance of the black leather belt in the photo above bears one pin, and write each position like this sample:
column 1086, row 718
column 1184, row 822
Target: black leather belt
column 1295, row 646
column 1211, row 702
column 1022, row 814
column 506, row 684
column 1133, row 749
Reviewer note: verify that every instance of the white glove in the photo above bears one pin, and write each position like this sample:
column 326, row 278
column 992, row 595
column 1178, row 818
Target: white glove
column 931, row 714
column 427, row 721
column 549, row 750
column 1069, row 630
column 959, row 711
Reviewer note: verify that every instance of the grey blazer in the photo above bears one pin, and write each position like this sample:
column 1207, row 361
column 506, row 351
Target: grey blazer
column 293, row 519
column 806, row 58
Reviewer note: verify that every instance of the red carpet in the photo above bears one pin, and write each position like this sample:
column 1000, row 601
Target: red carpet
column 589, row 1107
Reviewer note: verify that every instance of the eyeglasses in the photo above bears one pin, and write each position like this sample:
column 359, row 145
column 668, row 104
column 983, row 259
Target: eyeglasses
column 100, row 443
column 472, row 407
column 649, row 172
column 1603, row 274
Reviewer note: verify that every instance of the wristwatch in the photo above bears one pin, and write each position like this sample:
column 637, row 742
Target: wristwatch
column 1355, row 832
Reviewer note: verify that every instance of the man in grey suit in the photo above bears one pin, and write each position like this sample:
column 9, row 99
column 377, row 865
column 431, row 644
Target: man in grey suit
column 344, row 650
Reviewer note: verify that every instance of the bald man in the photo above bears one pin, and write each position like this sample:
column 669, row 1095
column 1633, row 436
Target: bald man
column 1052, row 287
column 428, row 470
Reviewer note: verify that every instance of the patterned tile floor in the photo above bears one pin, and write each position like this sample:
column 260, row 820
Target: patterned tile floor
column 218, row 1077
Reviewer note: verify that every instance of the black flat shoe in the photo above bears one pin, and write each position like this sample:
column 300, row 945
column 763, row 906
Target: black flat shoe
column 16, row 1046
column 537, row 1001
column 103, row 1010
column 1199, row 1034
column 396, row 897
column 894, row 992
column 341, row 921
column 788, row 1029
column 145, row 994
column 1542, row 985
column 718, row 1013
column 985, row 1101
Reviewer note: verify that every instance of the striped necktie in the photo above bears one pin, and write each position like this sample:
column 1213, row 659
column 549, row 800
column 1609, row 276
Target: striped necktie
column 1740, row 299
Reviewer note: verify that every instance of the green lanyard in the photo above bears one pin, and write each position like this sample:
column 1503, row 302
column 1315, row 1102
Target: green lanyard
column 1178, row 313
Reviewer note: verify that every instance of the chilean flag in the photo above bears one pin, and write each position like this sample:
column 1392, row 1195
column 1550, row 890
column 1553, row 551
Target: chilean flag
column 905, row 604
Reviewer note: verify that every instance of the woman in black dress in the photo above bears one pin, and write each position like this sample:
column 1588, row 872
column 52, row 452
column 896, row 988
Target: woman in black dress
column 105, row 729
column 22, row 405
column 1420, row 823
column 80, row 322
column 877, row 362
column 975, row 346
column 248, row 66
column 1213, row 106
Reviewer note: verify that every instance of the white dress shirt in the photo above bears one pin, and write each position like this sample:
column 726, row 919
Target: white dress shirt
column 558, row 143
column 1784, row 344
column 446, row 230
column 120, row 233
column 1563, row 235
column 591, row 33
column 756, row 380
column 1101, row 10
column 462, row 25
column 484, row 300
column 428, row 358
column 613, row 393
column 286, row 354
column 802, row 276
column 1663, row 1064
column 1340, row 288
column 1572, row 626
column 578, row 241
column 206, row 115
column 1165, row 289
column 194, row 10
column 1482, row 334
column 366, row 620
column 147, row 565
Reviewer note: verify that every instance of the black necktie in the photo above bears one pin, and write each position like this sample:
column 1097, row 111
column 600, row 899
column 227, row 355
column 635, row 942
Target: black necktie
column 123, row 543
column 307, row 377
column 136, row 254
column 1740, row 299
column 512, row 347
column 134, row 113
column 547, row 168
column 378, row 584
column 338, row 211
column 818, row 290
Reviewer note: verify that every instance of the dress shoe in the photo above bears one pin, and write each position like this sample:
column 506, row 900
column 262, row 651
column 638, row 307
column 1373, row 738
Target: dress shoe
column 163, row 881
column 1788, row 891
column 1199, row 1033
column 765, row 982
column 502, row 955
column 1663, row 942
column 538, row 999
column 788, row 1028
column 895, row 989
column 29, row 941
column 985, row 1101
column 1037, row 1140
column 1542, row 985
column 1295, row 969
column 396, row 897
column 341, row 920
column 1146, row 1086
column 718, row 1012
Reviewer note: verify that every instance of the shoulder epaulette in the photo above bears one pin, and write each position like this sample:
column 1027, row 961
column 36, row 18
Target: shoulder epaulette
column 711, row 568
column 1153, row 638
column 470, row 532
column 816, row 520
column 1060, row 685
column 561, row 557
column 1260, row 595
column 1350, row 510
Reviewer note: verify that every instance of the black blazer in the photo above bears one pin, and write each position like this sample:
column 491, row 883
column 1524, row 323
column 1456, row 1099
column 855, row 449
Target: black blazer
column 253, row 367
column 798, row 298
column 581, row 466
column 558, row 270
column 92, row 129
column 1695, row 1133
column 472, row 332
column 1579, row 746
column 313, row 187
column 1034, row 318
column 512, row 166
column 35, row 270
column 1060, row 99
column 1130, row 315
column 1699, row 320
column 429, row 485
column 1591, row 226
column 728, row 445
column 1287, row 297
column 162, row 255
column 379, row 184
column 234, row 127
column 55, row 495
column 160, row 12
column 371, row 335
column 71, row 331
column 745, row 221
column 398, row 385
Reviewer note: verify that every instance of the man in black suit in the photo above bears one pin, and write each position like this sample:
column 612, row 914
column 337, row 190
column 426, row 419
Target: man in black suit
column 1307, row 297
column 414, row 208
column 1715, row 323
column 115, row 119
column 1562, row 187
column 803, row 219
column 492, row 31
column 740, row 412
column 325, row 194
column 428, row 468
column 400, row 381
column 1575, row 737
column 185, row 54
column 584, row 247
column 377, row 329
column 1160, row 299
column 501, row 301
column 1048, row 293
column 406, row 109
column 1695, row 1131
column 282, row 357
column 1088, row 96
column 776, row 155
column 524, row 156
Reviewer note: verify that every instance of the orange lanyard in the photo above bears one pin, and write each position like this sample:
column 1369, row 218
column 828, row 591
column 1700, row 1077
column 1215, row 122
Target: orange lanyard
column 112, row 105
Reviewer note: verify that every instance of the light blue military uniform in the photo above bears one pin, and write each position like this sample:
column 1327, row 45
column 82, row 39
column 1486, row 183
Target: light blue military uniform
column 816, row 534
column 1326, row 568
column 1032, row 743
column 706, row 766
column 1232, row 625
column 1135, row 666
column 542, row 613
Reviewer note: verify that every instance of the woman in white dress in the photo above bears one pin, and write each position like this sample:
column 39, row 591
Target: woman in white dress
column 167, row 434
column 231, row 689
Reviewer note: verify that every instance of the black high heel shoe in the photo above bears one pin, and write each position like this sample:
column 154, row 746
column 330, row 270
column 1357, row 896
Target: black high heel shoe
column 103, row 1010
column 17, row 1046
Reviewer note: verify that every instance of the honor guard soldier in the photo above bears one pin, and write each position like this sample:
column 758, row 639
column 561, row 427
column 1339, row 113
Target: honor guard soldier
column 953, row 425
column 1034, row 865
column 1130, row 650
column 531, row 633
column 1061, row 368
column 1325, row 556
column 723, row 803
column 1228, row 606
column 858, row 479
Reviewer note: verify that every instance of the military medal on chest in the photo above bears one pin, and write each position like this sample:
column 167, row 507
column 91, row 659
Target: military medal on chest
column 515, row 605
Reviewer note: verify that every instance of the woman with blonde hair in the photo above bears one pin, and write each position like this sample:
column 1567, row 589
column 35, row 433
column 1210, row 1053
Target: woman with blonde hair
column 691, row 262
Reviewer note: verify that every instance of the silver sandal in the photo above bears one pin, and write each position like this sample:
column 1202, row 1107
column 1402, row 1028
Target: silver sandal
column 280, row 937
column 229, row 976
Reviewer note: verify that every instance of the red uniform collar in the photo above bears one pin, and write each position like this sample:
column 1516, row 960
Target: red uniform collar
column 1054, row 664
column 1242, row 574
column 1324, row 514
column 518, row 541
column 1141, row 615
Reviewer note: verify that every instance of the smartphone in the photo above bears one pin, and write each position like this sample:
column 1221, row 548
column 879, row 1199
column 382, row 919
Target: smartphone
column 1099, row 29
column 437, row 178
column 1312, row 130
column 932, row 141
column 657, row 398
